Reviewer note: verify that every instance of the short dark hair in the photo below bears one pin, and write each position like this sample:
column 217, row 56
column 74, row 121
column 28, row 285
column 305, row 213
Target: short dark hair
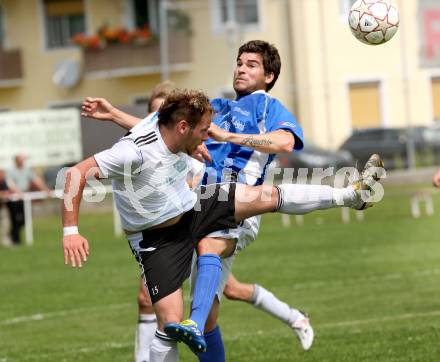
column 270, row 55
column 185, row 104
column 160, row 91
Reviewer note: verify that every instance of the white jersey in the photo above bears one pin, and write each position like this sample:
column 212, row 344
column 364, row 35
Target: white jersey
column 149, row 181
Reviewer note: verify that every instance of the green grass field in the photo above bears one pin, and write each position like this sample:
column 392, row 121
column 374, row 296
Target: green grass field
column 372, row 289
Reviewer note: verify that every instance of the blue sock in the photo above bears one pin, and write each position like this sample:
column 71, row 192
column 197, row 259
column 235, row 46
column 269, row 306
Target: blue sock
column 215, row 351
column 209, row 271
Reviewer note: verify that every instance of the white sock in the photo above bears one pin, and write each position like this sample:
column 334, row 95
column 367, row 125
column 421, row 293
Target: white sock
column 163, row 349
column 146, row 328
column 265, row 300
column 302, row 199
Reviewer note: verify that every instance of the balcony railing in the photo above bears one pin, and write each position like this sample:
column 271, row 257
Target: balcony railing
column 117, row 60
column 11, row 70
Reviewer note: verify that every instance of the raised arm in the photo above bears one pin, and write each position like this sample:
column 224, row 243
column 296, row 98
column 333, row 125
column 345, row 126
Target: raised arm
column 102, row 110
column 278, row 141
column 75, row 247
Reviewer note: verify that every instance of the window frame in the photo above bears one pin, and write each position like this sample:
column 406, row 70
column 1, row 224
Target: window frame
column 153, row 21
column 220, row 27
column 383, row 95
column 44, row 27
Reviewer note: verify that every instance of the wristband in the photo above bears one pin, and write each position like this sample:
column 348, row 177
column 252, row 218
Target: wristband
column 70, row 230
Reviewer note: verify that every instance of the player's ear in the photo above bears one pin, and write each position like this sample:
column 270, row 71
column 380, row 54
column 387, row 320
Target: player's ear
column 182, row 126
column 269, row 78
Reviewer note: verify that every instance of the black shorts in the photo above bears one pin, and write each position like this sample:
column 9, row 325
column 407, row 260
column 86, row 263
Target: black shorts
column 167, row 263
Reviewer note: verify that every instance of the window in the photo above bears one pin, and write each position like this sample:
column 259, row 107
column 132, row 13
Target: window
column 141, row 101
column 246, row 11
column 2, row 28
column 435, row 86
column 143, row 13
column 365, row 105
column 64, row 18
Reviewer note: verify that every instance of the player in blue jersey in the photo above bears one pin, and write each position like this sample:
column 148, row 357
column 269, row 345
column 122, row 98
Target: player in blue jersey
column 255, row 294
column 250, row 130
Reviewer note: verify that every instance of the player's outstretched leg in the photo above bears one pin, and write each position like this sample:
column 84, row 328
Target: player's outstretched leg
column 265, row 300
column 297, row 199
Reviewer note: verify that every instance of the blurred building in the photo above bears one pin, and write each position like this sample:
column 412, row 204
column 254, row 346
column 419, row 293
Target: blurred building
column 332, row 82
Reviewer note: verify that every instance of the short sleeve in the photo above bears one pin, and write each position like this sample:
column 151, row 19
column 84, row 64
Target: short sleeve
column 278, row 117
column 123, row 159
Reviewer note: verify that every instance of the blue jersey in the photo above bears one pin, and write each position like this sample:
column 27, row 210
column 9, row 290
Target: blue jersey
column 254, row 113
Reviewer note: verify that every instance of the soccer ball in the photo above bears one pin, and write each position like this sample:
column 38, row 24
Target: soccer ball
column 373, row 22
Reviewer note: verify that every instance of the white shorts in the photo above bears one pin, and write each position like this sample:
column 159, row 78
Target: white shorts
column 245, row 233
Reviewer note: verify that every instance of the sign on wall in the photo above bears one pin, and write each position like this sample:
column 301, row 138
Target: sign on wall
column 46, row 137
column 429, row 25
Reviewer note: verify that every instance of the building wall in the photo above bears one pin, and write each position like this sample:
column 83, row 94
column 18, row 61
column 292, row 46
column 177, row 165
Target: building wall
column 211, row 69
column 331, row 58
column 320, row 60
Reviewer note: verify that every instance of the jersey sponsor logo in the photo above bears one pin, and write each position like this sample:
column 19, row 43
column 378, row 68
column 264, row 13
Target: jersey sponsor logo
column 241, row 111
column 180, row 165
column 287, row 124
column 226, row 125
column 237, row 124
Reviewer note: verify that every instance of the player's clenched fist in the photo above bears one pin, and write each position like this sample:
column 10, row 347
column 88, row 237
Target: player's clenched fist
column 76, row 250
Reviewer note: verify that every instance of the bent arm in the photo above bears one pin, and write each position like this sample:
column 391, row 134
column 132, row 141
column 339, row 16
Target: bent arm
column 74, row 187
column 279, row 141
column 102, row 110
column 123, row 119
column 75, row 247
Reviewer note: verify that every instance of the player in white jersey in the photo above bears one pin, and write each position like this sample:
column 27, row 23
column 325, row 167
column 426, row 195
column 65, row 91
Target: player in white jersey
column 163, row 237
column 255, row 294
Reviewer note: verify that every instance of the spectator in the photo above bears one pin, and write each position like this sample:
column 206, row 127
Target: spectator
column 7, row 189
column 436, row 179
column 25, row 180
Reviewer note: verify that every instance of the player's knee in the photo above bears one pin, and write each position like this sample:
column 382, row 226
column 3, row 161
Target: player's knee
column 229, row 293
column 144, row 302
column 235, row 290
column 206, row 246
column 170, row 318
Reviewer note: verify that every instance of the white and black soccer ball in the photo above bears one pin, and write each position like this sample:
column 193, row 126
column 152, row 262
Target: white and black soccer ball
column 373, row 22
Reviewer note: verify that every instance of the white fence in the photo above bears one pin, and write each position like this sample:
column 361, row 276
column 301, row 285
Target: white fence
column 28, row 197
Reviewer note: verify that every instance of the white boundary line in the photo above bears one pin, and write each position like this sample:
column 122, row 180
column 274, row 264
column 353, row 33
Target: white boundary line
column 296, row 286
column 230, row 338
column 61, row 313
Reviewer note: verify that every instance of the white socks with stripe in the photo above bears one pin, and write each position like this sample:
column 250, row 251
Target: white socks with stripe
column 266, row 301
column 146, row 328
column 302, row 199
column 163, row 349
